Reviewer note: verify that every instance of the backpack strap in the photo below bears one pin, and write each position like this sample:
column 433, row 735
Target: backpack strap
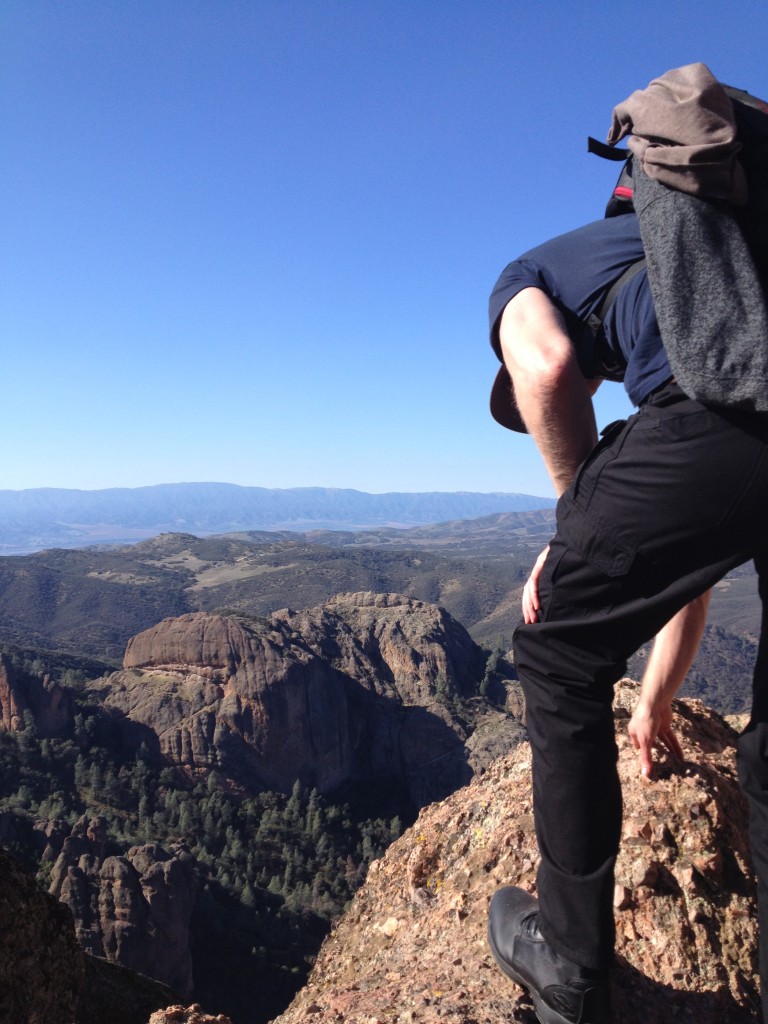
column 614, row 290
column 607, row 367
column 623, row 192
column 605, row 151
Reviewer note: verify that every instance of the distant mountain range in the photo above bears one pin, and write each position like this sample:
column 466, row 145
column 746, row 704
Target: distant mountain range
column 32, row 520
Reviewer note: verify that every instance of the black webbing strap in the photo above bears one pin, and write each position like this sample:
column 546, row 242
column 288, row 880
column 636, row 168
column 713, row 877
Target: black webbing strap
column 597, row 319
column 605, row 151
column 616, row 287
column 607, row 365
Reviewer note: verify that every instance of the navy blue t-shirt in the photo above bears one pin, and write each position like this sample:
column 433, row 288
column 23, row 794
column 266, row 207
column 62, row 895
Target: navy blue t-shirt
column 576, row 271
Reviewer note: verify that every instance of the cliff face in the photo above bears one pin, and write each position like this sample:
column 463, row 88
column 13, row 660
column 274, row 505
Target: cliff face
column 45, row 978
column 133, row 910
column 357, row 689
column 48, row 704
column 41, row 968
column 412, row 948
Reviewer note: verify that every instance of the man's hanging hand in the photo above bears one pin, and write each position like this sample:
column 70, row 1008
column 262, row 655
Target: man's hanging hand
column 531, row 605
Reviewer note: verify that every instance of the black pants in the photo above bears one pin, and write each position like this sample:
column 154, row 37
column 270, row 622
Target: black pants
column 664, row 506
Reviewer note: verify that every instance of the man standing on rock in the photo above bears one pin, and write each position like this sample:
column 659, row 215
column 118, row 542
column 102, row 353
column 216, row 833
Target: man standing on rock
column 648, row 519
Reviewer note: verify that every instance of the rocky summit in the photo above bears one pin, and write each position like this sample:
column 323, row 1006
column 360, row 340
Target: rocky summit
column 367, row 687
column 412, row 948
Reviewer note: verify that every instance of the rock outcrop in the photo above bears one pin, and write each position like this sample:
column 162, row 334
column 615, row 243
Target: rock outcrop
column 193, row 1014
column 133, row 910
column 361, row 688
column 412, row 948
column 41, row 968
column 45, row 978
column 27, row 699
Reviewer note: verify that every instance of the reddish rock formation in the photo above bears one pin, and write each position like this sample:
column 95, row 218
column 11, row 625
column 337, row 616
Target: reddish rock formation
column 360, row 688
column 133, row 910
column 412, row 948
column 186, row 1015
column 48, row 704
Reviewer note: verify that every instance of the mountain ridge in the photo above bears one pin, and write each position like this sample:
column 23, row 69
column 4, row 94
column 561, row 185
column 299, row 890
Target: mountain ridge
column 38, row 518
column 87, row 602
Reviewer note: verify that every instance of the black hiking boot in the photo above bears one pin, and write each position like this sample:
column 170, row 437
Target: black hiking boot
column 562, row 992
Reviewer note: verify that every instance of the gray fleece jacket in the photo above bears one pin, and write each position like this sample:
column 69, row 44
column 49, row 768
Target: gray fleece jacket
column 709, row 300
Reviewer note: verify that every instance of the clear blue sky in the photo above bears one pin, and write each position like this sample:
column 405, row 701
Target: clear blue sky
column 253, row 241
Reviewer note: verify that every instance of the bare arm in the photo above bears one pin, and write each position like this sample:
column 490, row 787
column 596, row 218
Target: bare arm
column 672, row 654
column 552, row 395
column 554, row 399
